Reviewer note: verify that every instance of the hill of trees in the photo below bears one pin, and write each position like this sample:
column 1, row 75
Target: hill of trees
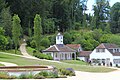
column 66, row 15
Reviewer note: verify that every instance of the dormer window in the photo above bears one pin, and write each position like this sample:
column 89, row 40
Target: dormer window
column 117, row 50
column 100, row 50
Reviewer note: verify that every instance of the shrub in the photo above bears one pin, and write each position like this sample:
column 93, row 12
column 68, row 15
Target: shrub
column 37, row 76
column 23, row 76
column 45, row 42
column 42, row 56
column 67, row 72
column 4, row 75
column 45, row 74
column 52, row 75
column 26, row 76
column 33, row 44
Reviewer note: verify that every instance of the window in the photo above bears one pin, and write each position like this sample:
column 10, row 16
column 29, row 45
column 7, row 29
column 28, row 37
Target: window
column 56, row 55
column 57, row 37
column 116, row 61
column 97, row 50
column 111, row 50
column 100, row 50
column 117, row 50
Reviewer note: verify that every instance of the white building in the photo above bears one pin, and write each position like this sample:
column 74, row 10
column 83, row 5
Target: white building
column 106, row 54
column 59, row 51
column 84, row 55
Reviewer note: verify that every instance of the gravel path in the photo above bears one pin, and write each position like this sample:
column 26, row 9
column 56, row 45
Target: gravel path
column 23, row 50
column 89, row 76
column 26, row 55
column 8, row 64
column 115, row 75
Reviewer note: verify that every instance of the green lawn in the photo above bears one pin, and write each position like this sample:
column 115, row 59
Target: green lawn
column 1, row 64
column 75, row 62
column 13, row 52
column 24, row 61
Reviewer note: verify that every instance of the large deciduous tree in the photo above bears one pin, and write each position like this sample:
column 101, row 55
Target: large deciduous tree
column 2, row 4
column 16, row 30
column 101, row 12
column 6, row 21
column 115, row 18
column 37, row 31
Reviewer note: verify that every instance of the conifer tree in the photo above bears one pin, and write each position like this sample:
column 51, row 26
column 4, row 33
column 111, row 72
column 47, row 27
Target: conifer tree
column 16, row 30
column 37, row 31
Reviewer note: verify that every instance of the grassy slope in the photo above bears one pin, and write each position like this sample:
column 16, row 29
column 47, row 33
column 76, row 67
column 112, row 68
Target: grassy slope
column 13, row 52
column 1, row 64
column 75, row 62
column 25, row 61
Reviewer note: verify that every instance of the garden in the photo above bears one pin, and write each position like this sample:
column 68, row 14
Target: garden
column 42, row 74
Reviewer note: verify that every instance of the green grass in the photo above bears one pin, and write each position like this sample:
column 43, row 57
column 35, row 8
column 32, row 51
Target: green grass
column 30, row 50
column 2, row 65
column 24, row 61
column 75, row 62
column 13, row 51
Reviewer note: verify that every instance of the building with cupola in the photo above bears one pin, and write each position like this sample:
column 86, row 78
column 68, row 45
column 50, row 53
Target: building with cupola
column 59, row 51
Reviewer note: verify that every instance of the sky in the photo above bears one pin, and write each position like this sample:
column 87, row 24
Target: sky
column 91, row 2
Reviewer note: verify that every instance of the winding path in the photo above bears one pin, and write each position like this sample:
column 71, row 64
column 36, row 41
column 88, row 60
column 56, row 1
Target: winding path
column 8, row 64
column 24, row 52
column 27, row 55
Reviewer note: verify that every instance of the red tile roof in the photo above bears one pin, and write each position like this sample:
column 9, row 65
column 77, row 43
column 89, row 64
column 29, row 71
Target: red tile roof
column 73, row 46
column 107, row 45
column 59, row 48
column 84, row 53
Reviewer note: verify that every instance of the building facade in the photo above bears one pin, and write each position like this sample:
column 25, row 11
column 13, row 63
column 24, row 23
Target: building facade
column 59, row 51
column 106, row 54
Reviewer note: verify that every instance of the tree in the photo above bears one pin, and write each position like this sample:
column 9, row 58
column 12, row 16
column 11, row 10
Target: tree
column 115, row 18
column 3, row 39
column 93, row 22
column 101, row 12
column 84, row 21
column 6, row 21
column 97, row 33
column 104, row 38
column 67, row 38
column 2, row 4
column 107, row 28
column 49, row 26
column 16, row 30
column 27, row 9
column 37, row 31
column 45, row 42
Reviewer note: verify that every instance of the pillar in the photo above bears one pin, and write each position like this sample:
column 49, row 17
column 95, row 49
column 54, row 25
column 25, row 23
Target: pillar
column 74, row 56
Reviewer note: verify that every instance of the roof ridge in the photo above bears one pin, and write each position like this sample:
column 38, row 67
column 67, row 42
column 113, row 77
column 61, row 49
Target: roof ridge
column 48, row 48
column 56, row 48
column 70, row 48
column 104, row 45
